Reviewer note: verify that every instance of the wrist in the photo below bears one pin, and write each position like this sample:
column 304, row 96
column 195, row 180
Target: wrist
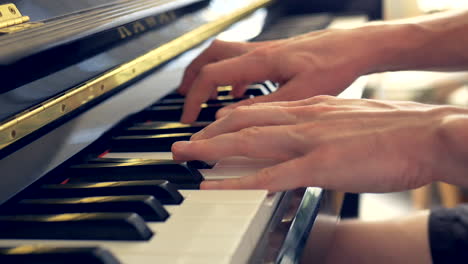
column 453, row 152
column 395, row 47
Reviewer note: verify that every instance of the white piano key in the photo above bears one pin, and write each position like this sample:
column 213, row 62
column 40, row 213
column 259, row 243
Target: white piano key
column 187, row 232
column 228, row 168
column 235, row 167
column 138, row 259
column 226, row 173
column 223, row 196
column 202, row 226
column 219, row 216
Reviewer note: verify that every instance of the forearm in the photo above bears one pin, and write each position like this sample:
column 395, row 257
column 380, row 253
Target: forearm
column 453, row 146
column 435, row 42
column 391, row 241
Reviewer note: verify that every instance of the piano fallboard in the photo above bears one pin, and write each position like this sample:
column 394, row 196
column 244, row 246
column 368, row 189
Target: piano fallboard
column 208, row 226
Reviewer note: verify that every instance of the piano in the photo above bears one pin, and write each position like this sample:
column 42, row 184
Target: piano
column 87, row 116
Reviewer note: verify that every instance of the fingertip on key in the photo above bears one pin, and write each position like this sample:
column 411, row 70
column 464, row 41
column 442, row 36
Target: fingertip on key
column 210, row 185
column 179, row 148
column 185, row 119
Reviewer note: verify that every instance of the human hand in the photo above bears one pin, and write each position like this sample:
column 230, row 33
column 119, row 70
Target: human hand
column 342, row 144
column 322, row 62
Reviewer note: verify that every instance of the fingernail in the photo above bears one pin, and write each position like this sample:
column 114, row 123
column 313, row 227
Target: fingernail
column 178, row 149
column 180, row 146
column 184, row 119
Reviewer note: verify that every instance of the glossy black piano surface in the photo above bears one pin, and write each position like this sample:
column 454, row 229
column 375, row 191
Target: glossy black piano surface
column 63, row 167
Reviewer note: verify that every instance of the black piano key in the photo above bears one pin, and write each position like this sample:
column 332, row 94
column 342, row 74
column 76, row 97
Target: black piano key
column 85, row 226
column 175, row 95
column 177, row 173
column 251, row 91
column 164, row 191
column 198, row 164
column 56, row 255
column 218, row 100
column 144, row 205
column 155, row 128
column 124, row 160
column 174, row 112
column 192, row 164
column 147, row 143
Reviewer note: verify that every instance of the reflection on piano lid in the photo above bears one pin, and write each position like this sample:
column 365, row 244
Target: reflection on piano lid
column 71, row 179
column 65, row 63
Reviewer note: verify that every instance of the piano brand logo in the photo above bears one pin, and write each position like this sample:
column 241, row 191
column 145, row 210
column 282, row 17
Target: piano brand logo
column 145, row 24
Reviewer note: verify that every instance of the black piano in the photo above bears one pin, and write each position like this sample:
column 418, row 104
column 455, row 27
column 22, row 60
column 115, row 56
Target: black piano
column 88, row 113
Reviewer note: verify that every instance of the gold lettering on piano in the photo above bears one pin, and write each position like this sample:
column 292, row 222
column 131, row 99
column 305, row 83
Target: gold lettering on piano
column 164, row 18
column 138, row 27
column 145, row 24
column 151, row 21
column 124, row 32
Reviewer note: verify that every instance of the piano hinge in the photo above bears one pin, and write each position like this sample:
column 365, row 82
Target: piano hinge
column 12, row 21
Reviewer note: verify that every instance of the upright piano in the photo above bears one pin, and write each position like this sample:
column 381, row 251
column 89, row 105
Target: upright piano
column 87, row 116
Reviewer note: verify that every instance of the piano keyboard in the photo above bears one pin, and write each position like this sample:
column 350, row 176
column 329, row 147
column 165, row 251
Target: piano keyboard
column 133, row 204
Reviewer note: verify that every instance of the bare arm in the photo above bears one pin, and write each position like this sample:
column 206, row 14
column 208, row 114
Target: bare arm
column 341, row 144
column 435, row 42
column 388, row 146
column 392, row 241
column 326, row 62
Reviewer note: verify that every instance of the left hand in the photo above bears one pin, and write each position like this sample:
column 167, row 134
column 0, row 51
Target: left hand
column 342, row 144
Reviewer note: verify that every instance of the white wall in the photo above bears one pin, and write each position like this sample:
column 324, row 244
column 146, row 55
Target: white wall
column 394, row 9
column 407, row 8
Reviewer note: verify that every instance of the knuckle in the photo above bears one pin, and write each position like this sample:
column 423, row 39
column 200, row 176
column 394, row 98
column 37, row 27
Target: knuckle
column 264, row 178
column 246, row 137
column 323, row 108
column 190, row 70
column 206, row 73
column 242, row 110
column 206, row 70
column 249, row 102
column 215, row 44
column 320, row 99
column 250, row 132
column 289, row 114
column 261, row 54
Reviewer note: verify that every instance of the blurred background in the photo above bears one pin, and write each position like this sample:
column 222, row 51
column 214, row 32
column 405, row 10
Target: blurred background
column 420, row 86
column 426, row 87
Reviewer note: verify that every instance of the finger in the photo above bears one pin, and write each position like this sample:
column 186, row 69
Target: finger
column 191, row 72
column 214, row 95
column 218, row 50
column 236, row 71
column 284, row 176
column 243, row 117
column 274, row 143
column 284, row 94
column 295, row 103
column 239, row 90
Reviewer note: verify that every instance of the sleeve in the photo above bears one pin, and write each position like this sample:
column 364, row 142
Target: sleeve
column 448, row 235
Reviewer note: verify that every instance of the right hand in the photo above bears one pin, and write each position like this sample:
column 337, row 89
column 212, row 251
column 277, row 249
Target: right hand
column 341, row 144
column 322, row 62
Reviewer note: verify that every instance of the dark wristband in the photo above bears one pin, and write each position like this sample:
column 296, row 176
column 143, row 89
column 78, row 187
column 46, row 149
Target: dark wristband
column 448, row 235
